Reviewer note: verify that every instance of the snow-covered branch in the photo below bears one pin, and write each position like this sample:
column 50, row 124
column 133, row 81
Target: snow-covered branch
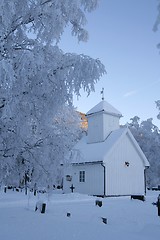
column 37, row 83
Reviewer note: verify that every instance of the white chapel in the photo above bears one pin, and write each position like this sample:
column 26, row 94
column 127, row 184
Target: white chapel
column 108, row 161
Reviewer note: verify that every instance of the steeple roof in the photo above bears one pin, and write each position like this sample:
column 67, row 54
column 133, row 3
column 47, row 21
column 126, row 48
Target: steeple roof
column 106, row 107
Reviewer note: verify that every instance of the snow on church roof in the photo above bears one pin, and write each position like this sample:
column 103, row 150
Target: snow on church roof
column 106, row 107
column 85, row 152
column 95, row 152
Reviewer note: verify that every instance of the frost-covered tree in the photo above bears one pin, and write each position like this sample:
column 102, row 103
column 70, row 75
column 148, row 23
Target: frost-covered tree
column 148, row 138
column 37, row 83
column 157, row 22
column 158, row 107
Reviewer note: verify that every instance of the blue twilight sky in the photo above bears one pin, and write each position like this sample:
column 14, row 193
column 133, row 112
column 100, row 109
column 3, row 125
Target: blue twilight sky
column 121, row 36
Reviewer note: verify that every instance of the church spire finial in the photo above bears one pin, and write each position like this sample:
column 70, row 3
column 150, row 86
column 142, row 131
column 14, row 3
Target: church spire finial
column 102, row 93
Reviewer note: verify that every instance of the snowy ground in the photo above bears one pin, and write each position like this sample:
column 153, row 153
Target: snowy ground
column 127, row 219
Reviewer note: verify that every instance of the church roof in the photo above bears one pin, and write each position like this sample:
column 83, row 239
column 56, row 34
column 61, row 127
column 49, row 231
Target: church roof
column 95, row 152
column 85, row 152
column 105, row 107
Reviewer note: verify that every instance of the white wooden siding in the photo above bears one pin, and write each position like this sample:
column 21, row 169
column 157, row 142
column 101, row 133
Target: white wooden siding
column 120, row 179
column 95, row 128
column 94, row 179
column 100, row 125
column 110, row 123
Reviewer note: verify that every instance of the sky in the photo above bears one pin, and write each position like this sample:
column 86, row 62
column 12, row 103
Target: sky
column 121, row 35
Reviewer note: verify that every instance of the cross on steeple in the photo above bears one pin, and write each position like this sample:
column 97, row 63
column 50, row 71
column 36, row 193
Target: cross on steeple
column 102, row 93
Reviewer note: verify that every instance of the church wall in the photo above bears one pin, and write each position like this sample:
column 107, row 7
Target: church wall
column 94, row 179
column 125, row 170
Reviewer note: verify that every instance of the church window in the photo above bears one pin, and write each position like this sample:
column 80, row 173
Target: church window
column 82, row 176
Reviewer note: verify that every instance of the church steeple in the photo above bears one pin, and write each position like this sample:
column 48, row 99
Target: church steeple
column 102, row 119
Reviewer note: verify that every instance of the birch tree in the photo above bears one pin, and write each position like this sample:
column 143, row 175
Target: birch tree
column 37, row 83
column 148, row 137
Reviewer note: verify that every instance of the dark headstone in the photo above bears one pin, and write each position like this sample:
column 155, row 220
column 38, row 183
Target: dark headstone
column 158, row 204
column 40, row 206
column 43, row 208
column 68, row 214
column 104, row 220
column 98, row 203
column 139, row 197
